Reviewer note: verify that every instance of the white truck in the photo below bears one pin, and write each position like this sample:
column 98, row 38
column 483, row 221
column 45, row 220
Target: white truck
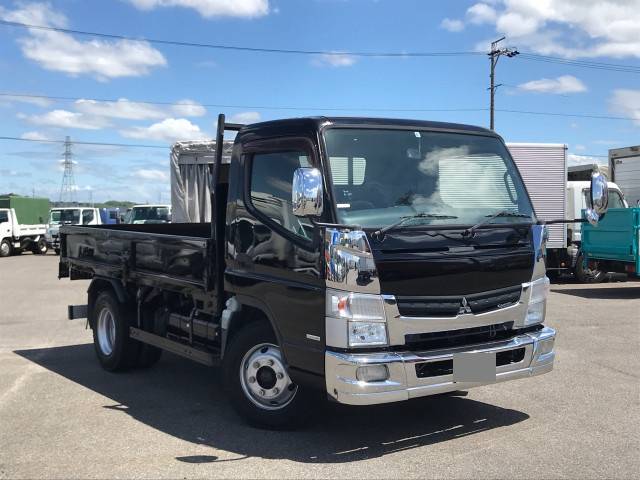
column 555, row 195
column 68, row 216
column 22, row 225
column 156, row 213
column 624, row 164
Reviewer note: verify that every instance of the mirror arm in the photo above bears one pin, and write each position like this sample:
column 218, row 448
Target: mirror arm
column 551, row 222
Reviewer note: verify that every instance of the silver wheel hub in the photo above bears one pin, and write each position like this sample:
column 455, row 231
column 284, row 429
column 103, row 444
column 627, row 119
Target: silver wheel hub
column 264, row 378
column 5, row 248
column 106, row 330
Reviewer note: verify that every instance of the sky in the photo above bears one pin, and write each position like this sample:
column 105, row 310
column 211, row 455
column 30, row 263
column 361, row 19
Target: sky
column 124, row 79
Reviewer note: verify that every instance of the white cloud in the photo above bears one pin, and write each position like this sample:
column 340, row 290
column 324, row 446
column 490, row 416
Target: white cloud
column 481, row 13
column 41, row 101
column 245, row 118
column 150, row 175
column 573, row 160
column 333, row 60
column 560, row 85
column 452, row 25
column 187, row 108
column 66, row 119
column 35, row 136
column 61, row 52
column 212, row 8
column 567, row 28
column 626, row 103
column 169, row 130
column 578, row 146
column 125, row 109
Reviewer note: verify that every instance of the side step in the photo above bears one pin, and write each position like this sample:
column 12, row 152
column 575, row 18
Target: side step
column 199, row 356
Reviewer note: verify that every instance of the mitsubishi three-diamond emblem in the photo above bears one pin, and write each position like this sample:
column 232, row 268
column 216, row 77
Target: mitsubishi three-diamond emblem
column 464, row 308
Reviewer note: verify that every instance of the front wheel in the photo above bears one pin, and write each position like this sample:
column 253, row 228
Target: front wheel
column 258, row 385
column 5, row 248
column 586, row 275
column 114, row 348
column 40, row 247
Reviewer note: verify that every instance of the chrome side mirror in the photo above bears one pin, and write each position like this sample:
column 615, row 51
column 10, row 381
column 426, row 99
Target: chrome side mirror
column 306, row 192
column 599, row 199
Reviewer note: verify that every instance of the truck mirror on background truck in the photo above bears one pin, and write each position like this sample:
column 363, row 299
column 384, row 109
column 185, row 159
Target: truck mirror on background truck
column 306, row 192
column 599, row 199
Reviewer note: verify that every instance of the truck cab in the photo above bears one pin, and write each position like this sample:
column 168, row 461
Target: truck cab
column 68, row 216
column 141, row 214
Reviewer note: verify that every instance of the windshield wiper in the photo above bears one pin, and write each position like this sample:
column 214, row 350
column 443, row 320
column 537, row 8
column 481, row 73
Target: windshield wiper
column 504, row 213
column 384, row 230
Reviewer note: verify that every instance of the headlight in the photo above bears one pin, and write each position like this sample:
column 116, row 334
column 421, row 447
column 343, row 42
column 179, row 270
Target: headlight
column 354, row 305
column 538, row 302
column 355, row 320
column 367, row 333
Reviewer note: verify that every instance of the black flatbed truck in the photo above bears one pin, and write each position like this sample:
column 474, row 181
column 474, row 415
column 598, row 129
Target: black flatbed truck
column 358, row 257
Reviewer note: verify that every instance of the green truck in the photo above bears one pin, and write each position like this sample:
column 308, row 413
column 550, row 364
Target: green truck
column 614, row 246
column 22, row 224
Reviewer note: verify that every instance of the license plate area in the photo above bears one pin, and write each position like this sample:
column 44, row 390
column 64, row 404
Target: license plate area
column 474, row 367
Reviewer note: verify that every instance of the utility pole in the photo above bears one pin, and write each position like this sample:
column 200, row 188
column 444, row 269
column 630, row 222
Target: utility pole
column 495, row 55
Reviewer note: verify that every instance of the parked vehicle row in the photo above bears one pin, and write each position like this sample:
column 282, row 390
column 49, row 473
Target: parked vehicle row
column 558, row 191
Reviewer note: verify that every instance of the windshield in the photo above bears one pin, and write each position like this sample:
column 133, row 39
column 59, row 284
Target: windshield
column 68, row 216
column 381, row 176
column 149, row 214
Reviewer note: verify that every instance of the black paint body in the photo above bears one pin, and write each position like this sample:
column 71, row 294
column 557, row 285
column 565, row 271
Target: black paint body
column 281, row 275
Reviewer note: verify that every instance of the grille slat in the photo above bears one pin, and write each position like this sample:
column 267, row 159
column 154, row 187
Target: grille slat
column 449, row 306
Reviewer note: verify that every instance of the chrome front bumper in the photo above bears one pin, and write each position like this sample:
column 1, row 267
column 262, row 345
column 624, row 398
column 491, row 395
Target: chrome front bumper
column 403, row 382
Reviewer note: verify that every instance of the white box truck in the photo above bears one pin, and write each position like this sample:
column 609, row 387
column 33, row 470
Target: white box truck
column 624, row 165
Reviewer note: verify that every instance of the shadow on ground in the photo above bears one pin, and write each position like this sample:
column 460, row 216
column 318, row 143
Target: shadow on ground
column 185, row 400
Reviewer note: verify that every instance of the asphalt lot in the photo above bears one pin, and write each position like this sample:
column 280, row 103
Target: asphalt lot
column 62, row 416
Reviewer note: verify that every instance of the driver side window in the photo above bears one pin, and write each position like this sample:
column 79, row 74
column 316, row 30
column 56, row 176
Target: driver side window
column 270, row 190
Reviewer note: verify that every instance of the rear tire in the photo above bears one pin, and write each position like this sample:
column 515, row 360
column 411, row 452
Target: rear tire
column 585, row 275
column 258, row 385
column 116, row 351
column 40, row 247
column 5, row 248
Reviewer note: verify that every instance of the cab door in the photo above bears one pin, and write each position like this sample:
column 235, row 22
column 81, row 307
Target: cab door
column 278, row 255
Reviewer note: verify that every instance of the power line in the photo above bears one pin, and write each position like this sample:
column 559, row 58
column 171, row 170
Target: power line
column 526, row 56
column 271, row 107
column 237, row 48
column 581, row 63
column 263, row 107
column 600, row 117
column 83, row 143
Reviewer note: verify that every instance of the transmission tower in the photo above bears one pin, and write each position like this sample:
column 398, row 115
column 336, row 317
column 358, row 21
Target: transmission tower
column 68, row 191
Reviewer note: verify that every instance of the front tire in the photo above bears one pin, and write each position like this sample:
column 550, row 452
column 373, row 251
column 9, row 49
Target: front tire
column 585, row 275
column 116, row 351
column 40, row 247
column 258, row 385
column 5, row 248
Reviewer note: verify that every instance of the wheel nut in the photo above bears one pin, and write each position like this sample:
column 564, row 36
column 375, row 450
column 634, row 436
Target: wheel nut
column 252, row 379
column 270, row 363
column 280, row 376
column 261, row 393
column 275, row 391
column 256, row 365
